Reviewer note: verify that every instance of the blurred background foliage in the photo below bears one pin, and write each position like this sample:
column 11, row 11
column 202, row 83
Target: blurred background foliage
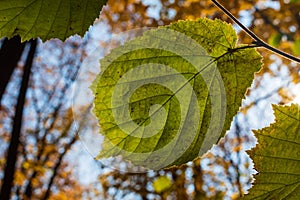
column 47, row 165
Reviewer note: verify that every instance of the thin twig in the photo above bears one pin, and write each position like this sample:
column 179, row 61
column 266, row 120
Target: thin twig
column 256, row 39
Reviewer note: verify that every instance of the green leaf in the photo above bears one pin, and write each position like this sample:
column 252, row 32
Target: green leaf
column 294, row 1
column 165, row 98
column 277, row 157
column 161, row 184
column 47, row 18
column 275, row 39
column 296, row 47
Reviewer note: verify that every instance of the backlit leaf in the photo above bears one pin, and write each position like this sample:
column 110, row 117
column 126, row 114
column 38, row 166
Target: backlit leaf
column 165, row 98
column 277, row 157
column 47, row 18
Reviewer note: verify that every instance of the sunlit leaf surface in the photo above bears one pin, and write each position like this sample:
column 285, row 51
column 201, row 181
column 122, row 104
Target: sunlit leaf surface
column 277, row 157
column 47, row 19
column 166, row 97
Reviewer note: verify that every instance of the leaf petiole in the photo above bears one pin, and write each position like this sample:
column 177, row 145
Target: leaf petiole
column 256, row 39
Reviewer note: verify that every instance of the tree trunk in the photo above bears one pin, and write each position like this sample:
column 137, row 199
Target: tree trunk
column 10, row 53
column 12, row 153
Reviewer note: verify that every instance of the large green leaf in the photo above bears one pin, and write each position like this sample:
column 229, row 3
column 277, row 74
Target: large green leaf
column 277, row 157
column 162, row 99
column 47, row 18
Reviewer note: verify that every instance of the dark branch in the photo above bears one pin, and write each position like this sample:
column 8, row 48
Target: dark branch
column 57, row 165
column 256, row 39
